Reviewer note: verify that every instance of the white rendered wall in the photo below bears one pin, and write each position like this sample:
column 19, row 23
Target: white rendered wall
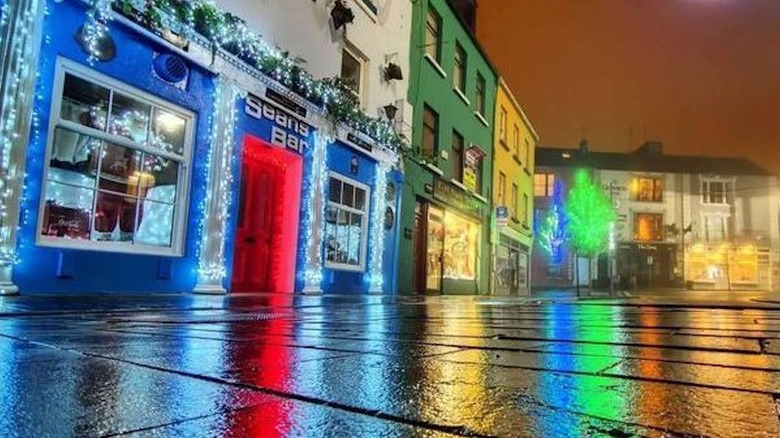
column 304, row 29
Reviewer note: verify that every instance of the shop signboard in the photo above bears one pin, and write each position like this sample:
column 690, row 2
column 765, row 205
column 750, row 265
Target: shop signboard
column 472, row 159
column 289, row 128
column 502, row 216
column 456, row 197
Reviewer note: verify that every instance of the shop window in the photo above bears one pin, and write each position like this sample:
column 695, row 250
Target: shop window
column 456, row 156
column 647, row 189
column 716, row 192
column 430, row 138
column 459, row 72
column 461, row 243
column 116, row 171
column 433, row 35
column 515, row 209
column 479, row 104
column 353, row 67
column 501, row 189
column 346, row 224
column 544, row 185
column 648, row 227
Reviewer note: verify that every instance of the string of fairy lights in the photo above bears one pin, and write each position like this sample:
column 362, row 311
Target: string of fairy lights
column 377, row 236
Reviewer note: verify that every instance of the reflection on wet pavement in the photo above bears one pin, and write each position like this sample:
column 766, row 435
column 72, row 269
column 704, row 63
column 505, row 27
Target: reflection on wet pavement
column 279, row 366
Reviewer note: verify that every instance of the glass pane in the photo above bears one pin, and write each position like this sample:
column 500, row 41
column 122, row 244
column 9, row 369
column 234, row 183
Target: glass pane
column 331, row 239
column 129, row 118
column 84, row 102
column 360, row 199
column 350, row 71
column 158, row 180
column 334, row 190
column 460, row 247
column 348, row 195
column 355, row 233
column 119, row 169
column 67, row 212
column 342, row 236
column 168, row 131
column 114, row 218
column 155, row 224
column 74, row 158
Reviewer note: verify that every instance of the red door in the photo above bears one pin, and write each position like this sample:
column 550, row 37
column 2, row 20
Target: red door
column 268, row 216
column 256, row 219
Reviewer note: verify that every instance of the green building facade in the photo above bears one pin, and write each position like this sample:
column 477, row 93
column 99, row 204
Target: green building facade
column 446, row 210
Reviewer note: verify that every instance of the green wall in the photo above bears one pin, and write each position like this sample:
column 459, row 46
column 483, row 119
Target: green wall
column 427, row 86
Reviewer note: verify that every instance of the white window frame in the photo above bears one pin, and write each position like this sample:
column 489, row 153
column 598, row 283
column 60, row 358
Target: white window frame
column 181, row 204
column 360, row 94
column 705, row 190
column 361, row 267
column 724, row 221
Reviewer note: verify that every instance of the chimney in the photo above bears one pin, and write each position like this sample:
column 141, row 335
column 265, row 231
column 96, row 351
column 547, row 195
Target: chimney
column 584, row 146
column 467, row 11
column 651, row 148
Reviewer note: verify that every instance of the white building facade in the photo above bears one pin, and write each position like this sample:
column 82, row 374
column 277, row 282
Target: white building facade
column 682, row 221
column 358, row 52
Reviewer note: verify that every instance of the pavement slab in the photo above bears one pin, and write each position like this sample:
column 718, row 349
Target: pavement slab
column 287, row 366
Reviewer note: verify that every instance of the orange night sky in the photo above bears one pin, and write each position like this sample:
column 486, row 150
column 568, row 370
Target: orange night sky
column 702, row 76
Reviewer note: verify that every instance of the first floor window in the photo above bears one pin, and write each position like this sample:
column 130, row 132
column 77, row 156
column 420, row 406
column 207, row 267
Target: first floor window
column 716, row 192
column 430, row 140
column 117, row 166
column 648, row 227
column 647, row 189
column 715, row 228
column 525, row 209
column 346, row 224
column 501, row 189
column 457, row 156
column 544, row 185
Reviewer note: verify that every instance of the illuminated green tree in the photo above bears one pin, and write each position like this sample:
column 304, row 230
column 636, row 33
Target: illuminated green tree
column 589, row 214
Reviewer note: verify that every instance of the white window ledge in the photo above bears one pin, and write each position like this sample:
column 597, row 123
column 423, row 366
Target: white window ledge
column 481, row 118
column 434, row 168
column 480, row 197
column 435, row 65
column 462, row 96
column 459, row 184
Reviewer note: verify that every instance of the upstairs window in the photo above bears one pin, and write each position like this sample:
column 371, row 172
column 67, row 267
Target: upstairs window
column 353, row 68
column 716, row 192
column 433, row 35
column 516, row 141
column 459, row 72
column 479, row 104
column 430, row 138
column 501, row 189
column 515, row 210
column 648, row 227
column 525, row 209
column 544, row 185
column 117, row 167
column 456, row 156
column 346, row 224
column 502, row 125
column 647, row 189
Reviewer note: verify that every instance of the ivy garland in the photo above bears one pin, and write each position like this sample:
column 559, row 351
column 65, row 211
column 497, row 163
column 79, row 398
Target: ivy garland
column 230, row 33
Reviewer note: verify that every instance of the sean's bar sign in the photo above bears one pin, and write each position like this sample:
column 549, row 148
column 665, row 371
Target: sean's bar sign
column 288, row 129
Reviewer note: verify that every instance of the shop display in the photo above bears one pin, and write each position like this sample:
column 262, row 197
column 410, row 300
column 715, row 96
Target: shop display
column 460, row 247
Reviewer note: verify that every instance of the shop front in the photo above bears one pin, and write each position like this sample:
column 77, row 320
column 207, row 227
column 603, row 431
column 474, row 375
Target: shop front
column 512, row 264
column 112, row 180
column 728, row 266
column 647, row 265
column 447, row 241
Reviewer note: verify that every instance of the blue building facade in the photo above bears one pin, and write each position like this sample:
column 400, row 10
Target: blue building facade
column 142, row 176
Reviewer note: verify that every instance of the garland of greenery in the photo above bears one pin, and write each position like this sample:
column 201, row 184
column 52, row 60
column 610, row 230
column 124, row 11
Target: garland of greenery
column 230, row 33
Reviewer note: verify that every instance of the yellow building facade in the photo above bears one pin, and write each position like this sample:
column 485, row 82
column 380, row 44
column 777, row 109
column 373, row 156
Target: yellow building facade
column 514, row 144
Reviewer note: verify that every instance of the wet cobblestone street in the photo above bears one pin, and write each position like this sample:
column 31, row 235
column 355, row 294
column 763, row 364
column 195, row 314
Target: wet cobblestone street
column 265, row 366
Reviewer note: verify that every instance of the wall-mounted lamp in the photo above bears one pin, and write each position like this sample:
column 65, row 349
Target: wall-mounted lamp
column 341, row 14
column 391, row 111
column 393, row 72
column 102, row 48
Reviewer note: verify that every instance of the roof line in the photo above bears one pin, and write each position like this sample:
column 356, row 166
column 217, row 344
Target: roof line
column 518, row 107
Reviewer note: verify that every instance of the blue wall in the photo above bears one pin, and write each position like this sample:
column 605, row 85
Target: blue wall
column 92, row 271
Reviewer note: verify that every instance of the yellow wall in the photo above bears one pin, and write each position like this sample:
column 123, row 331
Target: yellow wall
column 517, row 165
